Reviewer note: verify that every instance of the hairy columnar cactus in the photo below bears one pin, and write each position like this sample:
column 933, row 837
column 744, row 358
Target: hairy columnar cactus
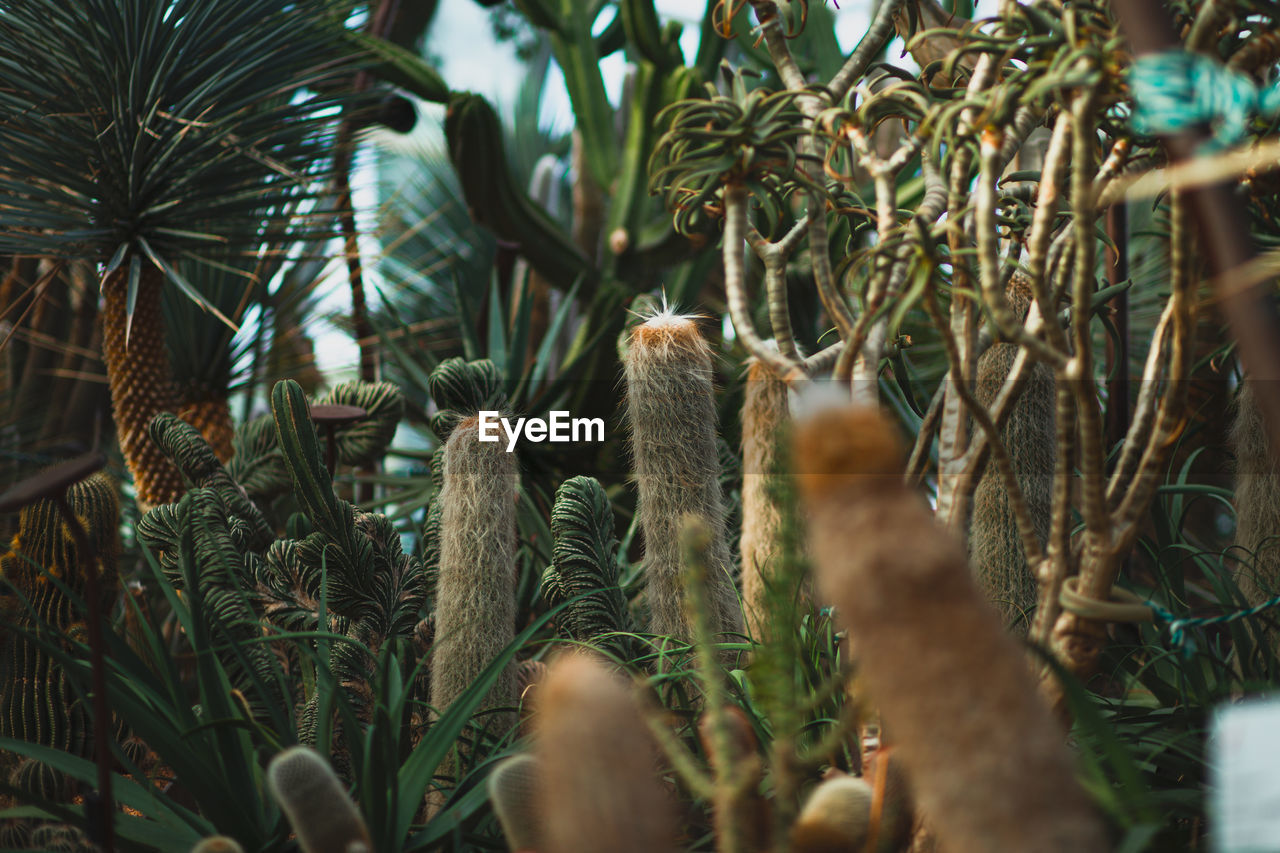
column 513, row 790
column 984, row 754
column 37, row 704
column 673, row 444
column 1257, row 486
column 319, row 810
column 995, row 549
column 764, row 414
column 475, row 605
column 598, row 765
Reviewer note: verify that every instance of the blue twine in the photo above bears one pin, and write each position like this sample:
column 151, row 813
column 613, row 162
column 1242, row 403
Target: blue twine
column 1175, row 91
column 1178, row 625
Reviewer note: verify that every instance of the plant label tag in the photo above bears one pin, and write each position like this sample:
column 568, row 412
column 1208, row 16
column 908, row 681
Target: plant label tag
column 1244, row 754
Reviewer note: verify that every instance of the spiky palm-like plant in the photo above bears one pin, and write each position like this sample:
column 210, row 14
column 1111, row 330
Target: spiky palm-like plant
column 139, row 132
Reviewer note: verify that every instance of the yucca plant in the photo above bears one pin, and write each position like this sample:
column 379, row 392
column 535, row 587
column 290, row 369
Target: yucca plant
column 145, row 132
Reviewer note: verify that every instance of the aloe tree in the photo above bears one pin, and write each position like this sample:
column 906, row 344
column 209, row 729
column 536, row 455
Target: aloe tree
column 139, row 133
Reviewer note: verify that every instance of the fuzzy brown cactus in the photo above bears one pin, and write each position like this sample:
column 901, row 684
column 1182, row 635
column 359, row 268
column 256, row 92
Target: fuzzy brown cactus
column 1257, row 487
column 764, row 415
column 995, row 548
column 672, row 416
column 984, row 754
column 597, row 764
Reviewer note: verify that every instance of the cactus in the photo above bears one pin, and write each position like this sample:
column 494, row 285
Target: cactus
column 764, row 415
column 952, row 686
column 673, row 443
column 37, row 703
column 461, row 388
column 319, row 810
column 475, row 606
column 842, row 813
column 994, row 547
column 584, row 561
column 1257, row 501
column 599, row 789
column 513, row 787
column 366, row 440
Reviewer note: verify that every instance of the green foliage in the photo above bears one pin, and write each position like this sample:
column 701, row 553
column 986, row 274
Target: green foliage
column 584, row 573
column 161, row 129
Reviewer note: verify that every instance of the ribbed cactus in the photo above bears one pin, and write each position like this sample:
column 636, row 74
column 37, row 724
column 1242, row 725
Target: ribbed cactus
column 37, row 703
column 585, row 563
column 475, row 606
column 764, row 416
column 953, row 688
column 599, row 786
column 672, row 417
column 994, row 546
column 322, row 815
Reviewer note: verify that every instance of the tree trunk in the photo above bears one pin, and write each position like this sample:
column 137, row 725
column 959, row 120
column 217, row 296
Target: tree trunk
column 139, row 375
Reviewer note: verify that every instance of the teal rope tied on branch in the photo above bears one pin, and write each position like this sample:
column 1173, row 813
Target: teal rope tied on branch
column 1178, row 625
column 1175, row 91
column 1125, row 606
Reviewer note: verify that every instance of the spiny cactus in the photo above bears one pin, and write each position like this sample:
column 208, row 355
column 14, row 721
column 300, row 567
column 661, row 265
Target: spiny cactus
column 764, row 415
column 460, row 388
column 513, row 790
column 954, row 689
column 316, row 803
column 672, row 417
column 37, row 703
column 994, row 546
column 367, row 439
column 1257, row 487
column 475, row 604
column 585, row 562
column 599, row 788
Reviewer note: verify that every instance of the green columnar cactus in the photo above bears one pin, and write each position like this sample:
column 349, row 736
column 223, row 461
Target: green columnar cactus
column 673, row 440
column 316, row 803
column 37, row 703
column 994, row 546
column 585, row 561
column 475, row 606
column 764, row 414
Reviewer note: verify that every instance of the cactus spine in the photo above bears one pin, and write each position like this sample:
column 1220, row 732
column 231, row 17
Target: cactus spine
column 764, row 414
column 952, row 686
column 475, row 590
column 673, row 444
column 597, row 762
column 994, row 547
column 319, row 810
